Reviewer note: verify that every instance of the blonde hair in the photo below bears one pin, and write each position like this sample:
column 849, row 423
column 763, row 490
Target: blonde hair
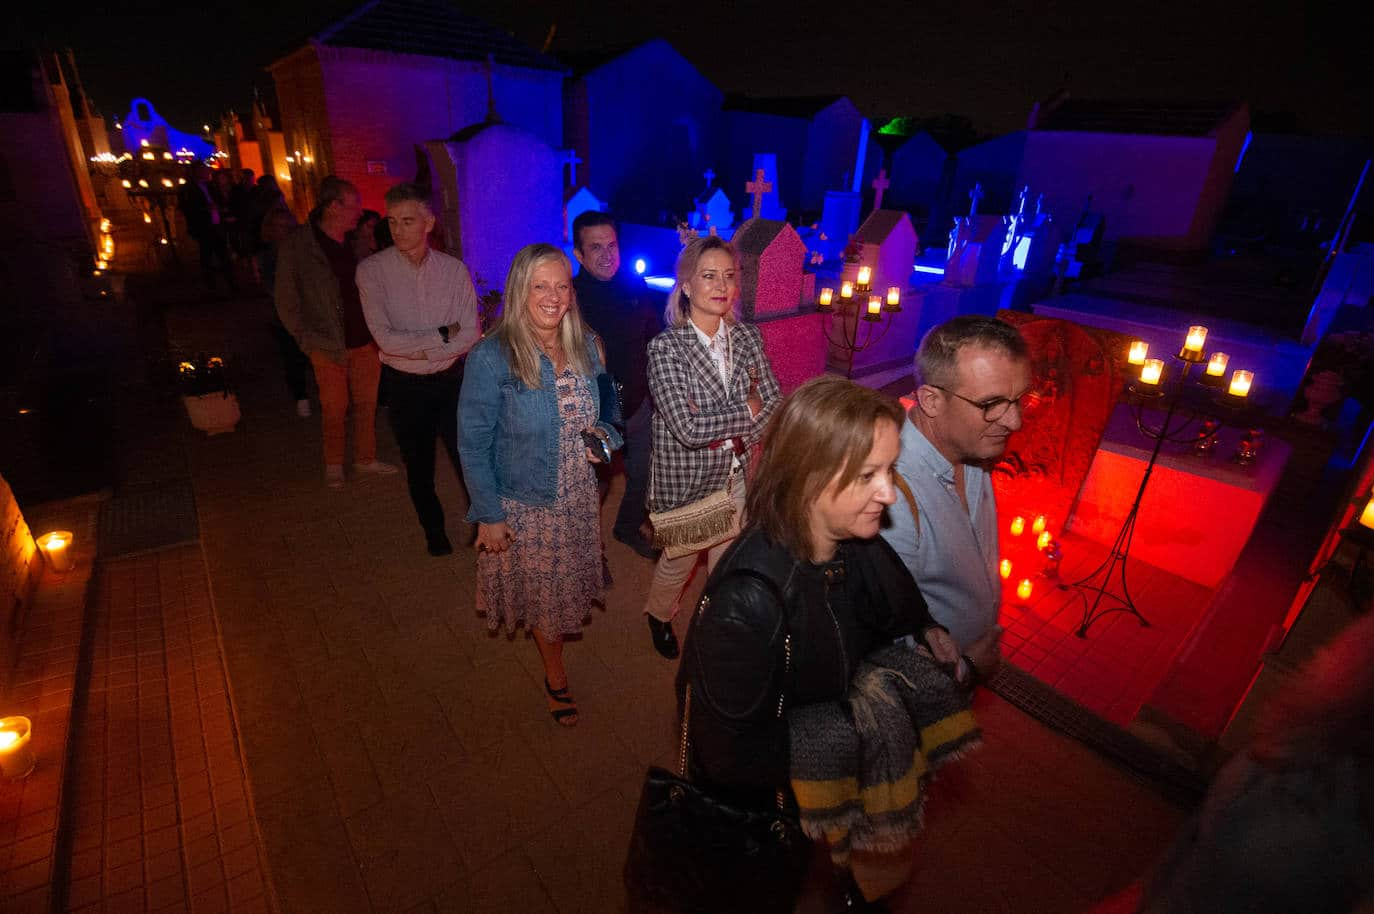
column 513, row 330
column 823, row 433
column 678, row 313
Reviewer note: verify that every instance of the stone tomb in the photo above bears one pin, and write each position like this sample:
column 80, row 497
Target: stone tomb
column 499, row 188
column 777, row 297
column 772, row 280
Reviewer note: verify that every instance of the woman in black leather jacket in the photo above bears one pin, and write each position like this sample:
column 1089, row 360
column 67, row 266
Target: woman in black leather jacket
column 810, row 565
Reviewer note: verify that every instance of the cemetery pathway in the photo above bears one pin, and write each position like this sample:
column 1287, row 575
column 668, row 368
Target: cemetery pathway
column 400, row 759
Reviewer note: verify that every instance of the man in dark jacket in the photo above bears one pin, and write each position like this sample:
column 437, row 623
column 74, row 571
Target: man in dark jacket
column 319, row 305
column 626, row 315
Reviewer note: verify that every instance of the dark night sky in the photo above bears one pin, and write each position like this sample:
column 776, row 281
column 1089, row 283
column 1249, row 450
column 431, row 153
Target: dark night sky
column 970, row 57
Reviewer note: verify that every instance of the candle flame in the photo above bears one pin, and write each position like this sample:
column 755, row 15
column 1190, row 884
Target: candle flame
column 1018, row 525
column 1024, row 589
column 7, row 739
column 1005, row 568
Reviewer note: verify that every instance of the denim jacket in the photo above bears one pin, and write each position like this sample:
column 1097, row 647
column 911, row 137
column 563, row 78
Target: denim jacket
column 508, row 433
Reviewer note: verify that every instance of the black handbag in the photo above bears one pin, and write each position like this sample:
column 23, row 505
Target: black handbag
column 690, row 853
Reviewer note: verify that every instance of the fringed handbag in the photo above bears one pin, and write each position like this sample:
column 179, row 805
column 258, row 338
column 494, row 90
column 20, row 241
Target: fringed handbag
column 691, row 853
column 698, row 525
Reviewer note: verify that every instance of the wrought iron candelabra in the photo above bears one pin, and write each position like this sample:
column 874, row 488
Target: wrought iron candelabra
column 1211, row 398
column 852, row 311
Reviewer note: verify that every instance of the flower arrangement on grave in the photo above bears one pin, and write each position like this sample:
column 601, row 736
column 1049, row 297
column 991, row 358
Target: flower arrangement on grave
column 203, row 382
column 853, row 251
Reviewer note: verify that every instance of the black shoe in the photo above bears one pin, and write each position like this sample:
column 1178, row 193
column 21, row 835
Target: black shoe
column 665, row 642
column 438, row 543
column 639, row 543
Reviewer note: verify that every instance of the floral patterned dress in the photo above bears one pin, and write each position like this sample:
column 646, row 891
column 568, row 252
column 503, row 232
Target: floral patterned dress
column 551, row 575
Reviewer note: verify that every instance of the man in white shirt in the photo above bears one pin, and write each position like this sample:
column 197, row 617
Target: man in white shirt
column 422, row 309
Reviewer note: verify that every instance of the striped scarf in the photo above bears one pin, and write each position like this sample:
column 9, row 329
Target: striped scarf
column 859, row 767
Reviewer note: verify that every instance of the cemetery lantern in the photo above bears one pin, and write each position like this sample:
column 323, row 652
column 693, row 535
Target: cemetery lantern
column 56, row 547
column 16, row 756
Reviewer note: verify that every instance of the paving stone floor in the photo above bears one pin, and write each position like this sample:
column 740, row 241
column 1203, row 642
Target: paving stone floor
column 399, row 757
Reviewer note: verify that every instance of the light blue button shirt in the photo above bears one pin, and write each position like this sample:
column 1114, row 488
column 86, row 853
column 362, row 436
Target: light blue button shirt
column 954, row 555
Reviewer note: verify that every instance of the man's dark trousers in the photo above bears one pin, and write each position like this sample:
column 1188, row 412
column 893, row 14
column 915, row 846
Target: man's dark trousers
column 422, row 407
column 633, row 508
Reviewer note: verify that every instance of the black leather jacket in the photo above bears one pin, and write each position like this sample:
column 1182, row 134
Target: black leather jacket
column 734, row 659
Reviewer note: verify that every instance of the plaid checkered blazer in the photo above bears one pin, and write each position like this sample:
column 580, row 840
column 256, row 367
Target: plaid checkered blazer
column 693, row 411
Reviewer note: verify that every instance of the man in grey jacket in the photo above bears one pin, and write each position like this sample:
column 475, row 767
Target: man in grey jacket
column 318, row 303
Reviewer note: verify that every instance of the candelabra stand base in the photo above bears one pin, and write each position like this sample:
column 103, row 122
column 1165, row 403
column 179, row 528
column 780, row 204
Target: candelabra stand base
column 1096, row 588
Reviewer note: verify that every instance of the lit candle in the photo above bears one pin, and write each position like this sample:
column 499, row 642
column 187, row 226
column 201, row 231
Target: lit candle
column 827, row 296
column 894, row 296
column 1240, row 382
column 1039, row 524
column 865, row 277
column 1139, row 349
column 147, row 218
column 1043, row 541
column 143, row 142
column 1366, row 518
column 1018, row 525
column 149, row 156
column 1151, row 371
column 142, row 182
column 105, row 225
column 56, row 545
column 875, row 305
column 16, row 758
column 1005, row 567
column 1197, row 337
column 127, row 183
column 1216, row 365
column 846, row 290
column 1024, row 589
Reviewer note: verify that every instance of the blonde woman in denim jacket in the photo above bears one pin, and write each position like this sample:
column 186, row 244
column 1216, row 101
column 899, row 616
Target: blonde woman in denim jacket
column 530, row 392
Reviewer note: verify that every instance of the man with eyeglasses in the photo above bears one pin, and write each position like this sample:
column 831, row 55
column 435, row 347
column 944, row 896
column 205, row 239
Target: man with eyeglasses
column 972, row 379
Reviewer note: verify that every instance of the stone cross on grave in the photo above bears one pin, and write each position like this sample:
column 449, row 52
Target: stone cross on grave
column 569, row 158
column 710, row 177
column 758, row 187
column 975, row 195
column 880, row 184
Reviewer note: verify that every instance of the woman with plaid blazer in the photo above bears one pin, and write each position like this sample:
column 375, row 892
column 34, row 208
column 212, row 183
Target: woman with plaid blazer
column 713, row 392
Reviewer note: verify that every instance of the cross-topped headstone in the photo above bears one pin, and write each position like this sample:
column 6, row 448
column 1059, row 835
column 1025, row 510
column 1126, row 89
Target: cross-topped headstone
column 569, row 158
column 880, row 184
column 758, row 187
column 975, row 195
column 710, row 177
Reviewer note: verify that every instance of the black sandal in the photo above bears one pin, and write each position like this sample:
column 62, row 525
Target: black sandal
column 566, row 717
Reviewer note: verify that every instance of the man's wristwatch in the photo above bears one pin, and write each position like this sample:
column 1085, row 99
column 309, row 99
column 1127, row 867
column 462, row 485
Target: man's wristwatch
column 443, row 333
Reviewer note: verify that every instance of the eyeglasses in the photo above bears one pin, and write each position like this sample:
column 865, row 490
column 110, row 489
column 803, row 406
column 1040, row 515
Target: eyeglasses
column 995, row 408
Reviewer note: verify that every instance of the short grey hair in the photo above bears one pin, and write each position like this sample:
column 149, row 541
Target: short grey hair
column 408, row 192
column 937, row 357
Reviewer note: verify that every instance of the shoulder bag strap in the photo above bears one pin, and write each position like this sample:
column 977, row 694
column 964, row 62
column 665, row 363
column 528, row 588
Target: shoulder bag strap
column 770, row 584
column 910, row 499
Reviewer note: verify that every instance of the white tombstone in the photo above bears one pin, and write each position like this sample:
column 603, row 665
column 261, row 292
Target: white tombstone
column 582, row 201
column 888, row 243
column 713, row 213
